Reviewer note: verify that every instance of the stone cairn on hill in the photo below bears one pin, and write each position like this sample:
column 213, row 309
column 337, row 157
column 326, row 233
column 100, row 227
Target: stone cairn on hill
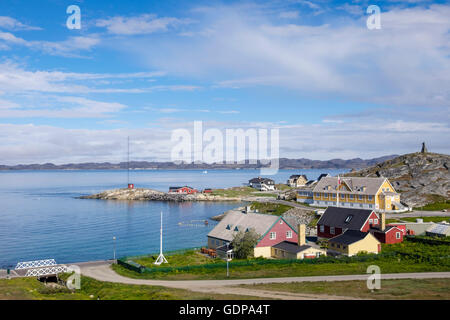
column 424, row 148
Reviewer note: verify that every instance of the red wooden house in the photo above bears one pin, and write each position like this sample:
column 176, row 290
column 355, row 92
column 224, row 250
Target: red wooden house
column 337, row 220
column 183, row 190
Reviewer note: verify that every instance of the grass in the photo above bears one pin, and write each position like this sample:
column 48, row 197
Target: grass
column 438, row 203
column 283, row 187
column 188, row 258
column 404, row 257
column 270, row 208
column 236, row 192
column 413, row 219
column 32, row 289
column 422, row 289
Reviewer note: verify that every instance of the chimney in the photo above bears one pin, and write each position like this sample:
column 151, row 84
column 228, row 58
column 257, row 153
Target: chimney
column 301, row 234
column 383, row 221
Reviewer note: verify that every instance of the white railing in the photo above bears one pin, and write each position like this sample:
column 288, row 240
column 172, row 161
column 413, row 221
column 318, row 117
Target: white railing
column 38, row 272
column 35, row 264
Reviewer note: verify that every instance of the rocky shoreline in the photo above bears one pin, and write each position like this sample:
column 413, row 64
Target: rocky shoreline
column 142, row 194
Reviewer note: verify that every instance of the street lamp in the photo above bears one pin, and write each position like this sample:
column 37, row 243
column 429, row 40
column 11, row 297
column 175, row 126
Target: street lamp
column 229, row 258
column 114, row 245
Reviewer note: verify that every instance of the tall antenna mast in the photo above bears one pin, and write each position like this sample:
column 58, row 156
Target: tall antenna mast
column 161, row 258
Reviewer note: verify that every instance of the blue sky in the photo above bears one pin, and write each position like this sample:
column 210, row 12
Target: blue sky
column 312, row 69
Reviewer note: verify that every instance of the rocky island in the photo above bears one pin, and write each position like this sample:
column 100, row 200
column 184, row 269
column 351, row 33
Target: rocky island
column 144, row 194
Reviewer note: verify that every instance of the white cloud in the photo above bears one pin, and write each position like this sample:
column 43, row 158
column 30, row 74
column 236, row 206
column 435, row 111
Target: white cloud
column 407, row 62
column 143, row 24
column 39, row 144
column 13, row 24
column 61, row 107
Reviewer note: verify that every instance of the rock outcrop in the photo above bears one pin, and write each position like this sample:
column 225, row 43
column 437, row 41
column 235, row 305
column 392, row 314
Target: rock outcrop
column 421, row 178
column 154, row 195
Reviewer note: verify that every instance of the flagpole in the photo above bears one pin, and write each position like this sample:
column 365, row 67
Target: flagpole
column 337, row 192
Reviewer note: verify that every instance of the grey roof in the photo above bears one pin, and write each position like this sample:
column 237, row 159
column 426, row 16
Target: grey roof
column 291, row 247
column 336, row 217
column 323, row 175
column 349, row 237
column 356, row 184
column 440, row 228
column 259, row 222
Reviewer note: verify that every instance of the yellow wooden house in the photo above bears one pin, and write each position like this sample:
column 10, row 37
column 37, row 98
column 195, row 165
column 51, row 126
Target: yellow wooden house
column 355, row 192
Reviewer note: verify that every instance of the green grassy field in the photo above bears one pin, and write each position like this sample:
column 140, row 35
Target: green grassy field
column 241, row 192
column 413, row 219
column 270, row 208
column 188, row 258
column 32, row 289
column 422, row 289
column 403, row 257
column 439, row 203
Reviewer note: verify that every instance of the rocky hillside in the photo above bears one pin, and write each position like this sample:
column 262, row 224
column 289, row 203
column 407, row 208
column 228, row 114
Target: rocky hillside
column 421, row 178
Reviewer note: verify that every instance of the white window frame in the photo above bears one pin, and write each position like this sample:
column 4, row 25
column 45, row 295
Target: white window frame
column 375, row 221
column 332, row 230
column 322, row 228
column 397, row 235
column 370, row 221
column 272, row 235
column 289, row 234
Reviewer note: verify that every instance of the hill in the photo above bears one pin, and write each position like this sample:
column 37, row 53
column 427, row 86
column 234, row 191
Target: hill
column 421, row 178
column 283, row 164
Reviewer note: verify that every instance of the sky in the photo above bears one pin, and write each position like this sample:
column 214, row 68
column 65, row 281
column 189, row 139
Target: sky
column 311, row 69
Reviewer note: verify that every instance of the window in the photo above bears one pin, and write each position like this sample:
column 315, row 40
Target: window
column 334, row 196
column 273, row 235
column 348, row 219
column 325, row 195
column 360, row 197
column 289, row 234
column 338, row 245
column 236, row 228
column 351, row 196
column 332, row 230
column 281, row 221
column 370, row 221
column 228, row 227
column 342, row 196
column 217, row 242
column 370, row 198
column 397, row 235
column 375, row 221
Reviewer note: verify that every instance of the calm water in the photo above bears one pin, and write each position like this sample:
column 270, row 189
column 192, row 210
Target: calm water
column 41, row 218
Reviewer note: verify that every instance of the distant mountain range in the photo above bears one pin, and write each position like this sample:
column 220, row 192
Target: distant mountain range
column 284, row 163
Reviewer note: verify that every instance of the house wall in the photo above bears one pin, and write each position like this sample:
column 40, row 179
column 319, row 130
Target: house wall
column 214, row 243
column 369, row 244
column 367, row 225
column 265, row 252
column 311, row 251
column 280, row 229
column 281, row 254
column 327, row 233
column 391, row 236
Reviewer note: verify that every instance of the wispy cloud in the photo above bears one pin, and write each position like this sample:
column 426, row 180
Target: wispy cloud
column 13, row 24
column 143, row 24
